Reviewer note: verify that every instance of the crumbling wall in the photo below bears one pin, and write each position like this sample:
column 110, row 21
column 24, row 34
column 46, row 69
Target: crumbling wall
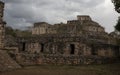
column 6, row 62
column 55, row 59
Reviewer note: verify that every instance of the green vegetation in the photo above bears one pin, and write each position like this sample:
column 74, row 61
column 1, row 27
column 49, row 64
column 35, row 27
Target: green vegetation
column 106, row 69
column 117, row 5
column 117, row 27
column 24, row 33
column 10, row 31
column 17, row 32
column 117, row 8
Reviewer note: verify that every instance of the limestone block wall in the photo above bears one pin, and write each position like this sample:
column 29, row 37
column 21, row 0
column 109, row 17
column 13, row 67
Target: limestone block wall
column 83, row 22
column 107, row 50
column 2, row 25
column 1, row 10
column 103, row 52
column 2, row 34
column 84, row 17
column 66, row 48
column 43, row 28
column 6, row 62
column 94, row 28
column 65, row 51
column 55, row 59
column 33, row 47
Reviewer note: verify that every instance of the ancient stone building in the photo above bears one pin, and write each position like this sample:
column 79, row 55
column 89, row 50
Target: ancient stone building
column 81, row 41
column 2, row 25
column 71, row 36
column 78, row 41
column 83, row 23
column 6, row 62
column 66, row 49
column 42, row 28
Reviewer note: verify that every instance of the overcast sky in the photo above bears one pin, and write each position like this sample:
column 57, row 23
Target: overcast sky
column 23, row 13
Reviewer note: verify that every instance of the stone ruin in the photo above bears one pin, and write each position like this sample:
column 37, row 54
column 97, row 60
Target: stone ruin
column 2, row 25
column 81, row 41
column 6, row 62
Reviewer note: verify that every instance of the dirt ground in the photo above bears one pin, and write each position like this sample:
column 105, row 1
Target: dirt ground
column 106, row 69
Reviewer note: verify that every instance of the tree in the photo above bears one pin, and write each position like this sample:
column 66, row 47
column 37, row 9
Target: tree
column 16, row 32
column 117, row 8
column 24, row 33
column 117, row 27
column 10, row 31
column 117, row 5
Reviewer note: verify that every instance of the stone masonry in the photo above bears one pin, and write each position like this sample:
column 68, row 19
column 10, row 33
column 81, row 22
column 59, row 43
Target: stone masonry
column 2, row 25
column 81, row 41
column 6, row 62
column 83, row 23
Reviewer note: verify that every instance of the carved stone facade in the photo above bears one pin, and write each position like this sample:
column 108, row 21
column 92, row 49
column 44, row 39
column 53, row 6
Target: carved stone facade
column 2, row 25
column 65, row 49
column 80, row 41
column 82, row 24
column 69, row 45
column 77, row 42
column 43, row 28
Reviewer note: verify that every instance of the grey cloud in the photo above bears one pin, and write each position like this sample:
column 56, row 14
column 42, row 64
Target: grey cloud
column 20, row 13
column 86, row 3
column 18, row 1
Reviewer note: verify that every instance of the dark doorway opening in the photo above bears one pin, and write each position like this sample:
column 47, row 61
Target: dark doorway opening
column 72, row 47
column 42, row 47
column 23, row 46
column 117, row 51
column 93, row 52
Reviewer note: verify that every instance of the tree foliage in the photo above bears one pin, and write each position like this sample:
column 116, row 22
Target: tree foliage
column 23, row 33
column 117, row 5
column 10, row 31
column 16, row 32
column 117, row 27
column 117, row 8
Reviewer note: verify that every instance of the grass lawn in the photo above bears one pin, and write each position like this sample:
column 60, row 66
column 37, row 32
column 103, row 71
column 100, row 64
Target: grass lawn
column 105, row 69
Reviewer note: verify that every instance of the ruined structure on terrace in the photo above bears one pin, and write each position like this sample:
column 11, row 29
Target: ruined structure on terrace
column 78, row 37
column 6, row 62
column 79, row 41
column 83, row 24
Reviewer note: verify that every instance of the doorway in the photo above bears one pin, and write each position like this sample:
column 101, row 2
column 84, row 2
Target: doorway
column 42, row 47
column 23, row 46
column 94, row 51
column 72, row 48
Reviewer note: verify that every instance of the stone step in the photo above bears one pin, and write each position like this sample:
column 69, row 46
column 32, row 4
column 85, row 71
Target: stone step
column 6, row 62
